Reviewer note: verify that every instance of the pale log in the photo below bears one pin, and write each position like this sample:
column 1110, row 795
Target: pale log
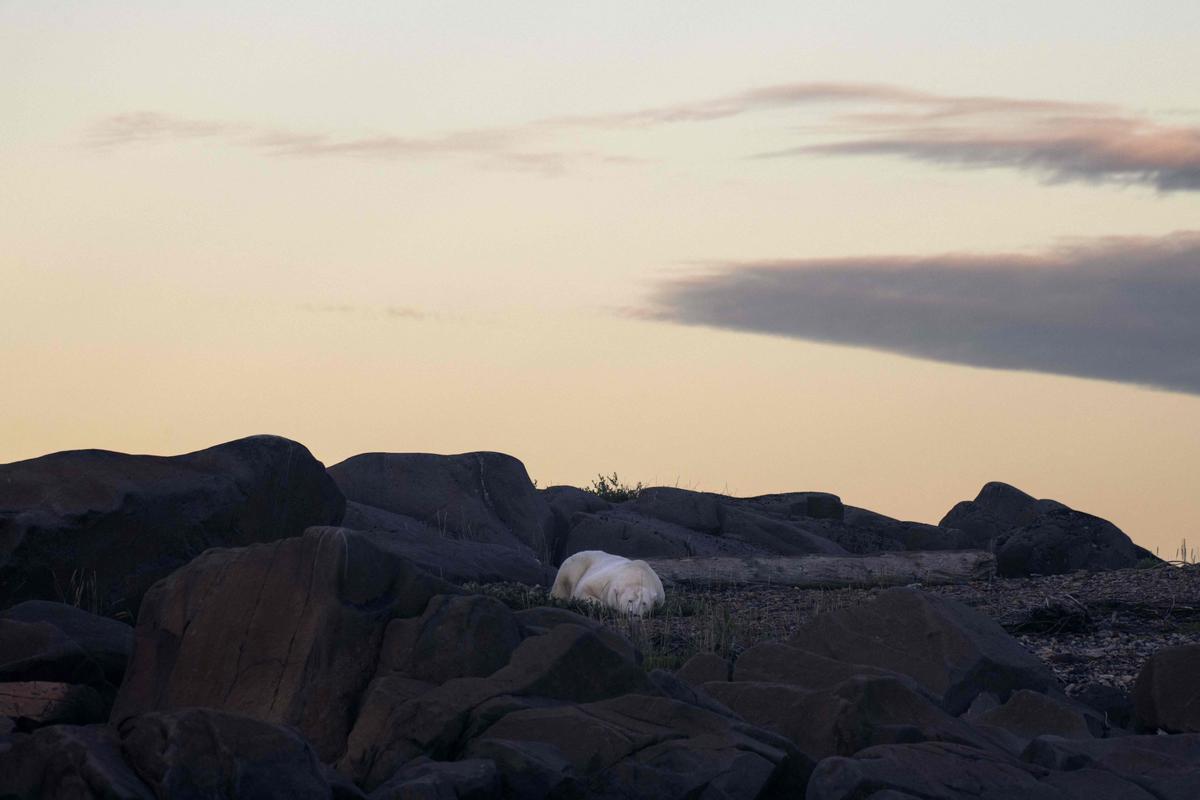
column 825, row 571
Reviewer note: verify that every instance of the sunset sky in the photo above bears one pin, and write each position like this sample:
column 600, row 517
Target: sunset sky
column 887, row 250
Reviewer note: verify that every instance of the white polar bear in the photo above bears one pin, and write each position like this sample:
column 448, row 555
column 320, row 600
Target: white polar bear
column 614, row 581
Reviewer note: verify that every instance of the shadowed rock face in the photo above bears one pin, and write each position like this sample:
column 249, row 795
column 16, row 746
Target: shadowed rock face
column 1166, row 695
column 285, row 632
column 1042, row 537
column 481, row 497
column 951, row 650
column 108, row 525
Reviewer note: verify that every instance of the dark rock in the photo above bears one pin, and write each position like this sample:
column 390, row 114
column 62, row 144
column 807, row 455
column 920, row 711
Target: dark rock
column 565, row 502
column 285, row 632
column 775, row 662
column 849, row 717
column 199, row 752
column 481, row 497
column 775, row 536
column 106, row 641
column 626, row 533
column 452, row 559
column 39, row 651
column 456, row 637
column 33, row 704
column 1166, row 694
column 636, row 746
column 1114, row 705
column 930, row 771
column 1168, row 767
column 697, row 511
column 65, row 762
column 570, row 663
column 529, row 770
column 1042, row 537
column 704, row 667
column 953, row 651
column 1029, row 714
column 105, row 525
column 425, row 779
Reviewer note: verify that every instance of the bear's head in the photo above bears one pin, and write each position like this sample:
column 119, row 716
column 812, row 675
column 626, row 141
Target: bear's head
column 637, row 599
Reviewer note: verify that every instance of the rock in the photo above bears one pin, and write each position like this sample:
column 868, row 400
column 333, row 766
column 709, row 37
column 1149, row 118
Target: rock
column 1112, row 704
column 930, row 771
column 950, row 649
column 698, row 511
column 1166, row 694
column 65, row 762
column 570, row 663
column 425, row 779
column 105, row 526
column 775, row 536
column 106, row 641
column 849, row 717
column 456, row 560
column 528, row 770
column 626, row 533
column 39, row 651
column 200, row 752
column 1029, row 714
column 481, row 497
column 704, row 667
column 565, row 502
column 33, row 704
column 636, row 746
column 776, row 662
column 456, row 637
column 1167, row 767
column 286, row 632
column 1042, row 537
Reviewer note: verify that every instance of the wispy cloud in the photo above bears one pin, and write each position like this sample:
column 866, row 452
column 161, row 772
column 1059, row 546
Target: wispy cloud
column 1058, row 140
column 1122, row 309
column 504, row 148
column 368, row 312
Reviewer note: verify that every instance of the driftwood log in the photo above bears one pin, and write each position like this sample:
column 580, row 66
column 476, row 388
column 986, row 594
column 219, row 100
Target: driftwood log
column 824, row 571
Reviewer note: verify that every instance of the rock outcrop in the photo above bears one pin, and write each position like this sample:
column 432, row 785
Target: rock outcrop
column 1042, row 537
column 100, row 527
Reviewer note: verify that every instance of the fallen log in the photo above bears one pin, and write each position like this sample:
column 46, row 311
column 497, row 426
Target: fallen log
column 824, row 571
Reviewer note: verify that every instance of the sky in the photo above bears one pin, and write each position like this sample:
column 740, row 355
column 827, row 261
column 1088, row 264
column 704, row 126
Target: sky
column 891, row 251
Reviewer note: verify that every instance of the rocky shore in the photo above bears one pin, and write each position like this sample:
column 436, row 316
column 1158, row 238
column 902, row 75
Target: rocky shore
column 380, row 630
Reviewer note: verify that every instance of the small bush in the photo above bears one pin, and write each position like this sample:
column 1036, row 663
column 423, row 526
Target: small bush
column 611, row 488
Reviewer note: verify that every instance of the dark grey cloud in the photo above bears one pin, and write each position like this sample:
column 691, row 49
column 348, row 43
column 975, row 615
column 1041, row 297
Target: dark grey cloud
column 1113, row 150
column 1121, row 309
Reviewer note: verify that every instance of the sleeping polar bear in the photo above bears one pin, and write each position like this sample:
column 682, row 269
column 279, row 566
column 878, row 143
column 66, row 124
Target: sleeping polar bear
column 613, row 581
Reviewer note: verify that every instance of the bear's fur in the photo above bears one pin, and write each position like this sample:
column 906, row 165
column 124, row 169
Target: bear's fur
column 614, row 581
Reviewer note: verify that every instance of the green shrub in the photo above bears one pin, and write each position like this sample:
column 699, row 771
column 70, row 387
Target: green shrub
column 611, row 488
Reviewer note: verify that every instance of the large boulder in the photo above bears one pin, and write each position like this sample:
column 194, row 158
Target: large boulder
column 481, row 497
column 855, row 714
column 39, row 651
column 654, row 747
column 198, row 752
column 107, row 642
column 32, row 704
column 951, row 650
column 1164, row 767
column 101, row 527
column 568, row 664
column 929, row 771
column 66, row 762
column 287, row 632
column 1042, row 537
column 457, row 560
column 1166, row 694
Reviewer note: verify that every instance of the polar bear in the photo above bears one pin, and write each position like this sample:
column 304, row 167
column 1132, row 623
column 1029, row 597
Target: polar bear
column 614, row 581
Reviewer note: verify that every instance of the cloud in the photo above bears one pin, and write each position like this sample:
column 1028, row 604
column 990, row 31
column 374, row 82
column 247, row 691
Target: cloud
column 498, row 148
column 1121, row 309
column 1058, row 140
column 367, row 312
column 1114, row 150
